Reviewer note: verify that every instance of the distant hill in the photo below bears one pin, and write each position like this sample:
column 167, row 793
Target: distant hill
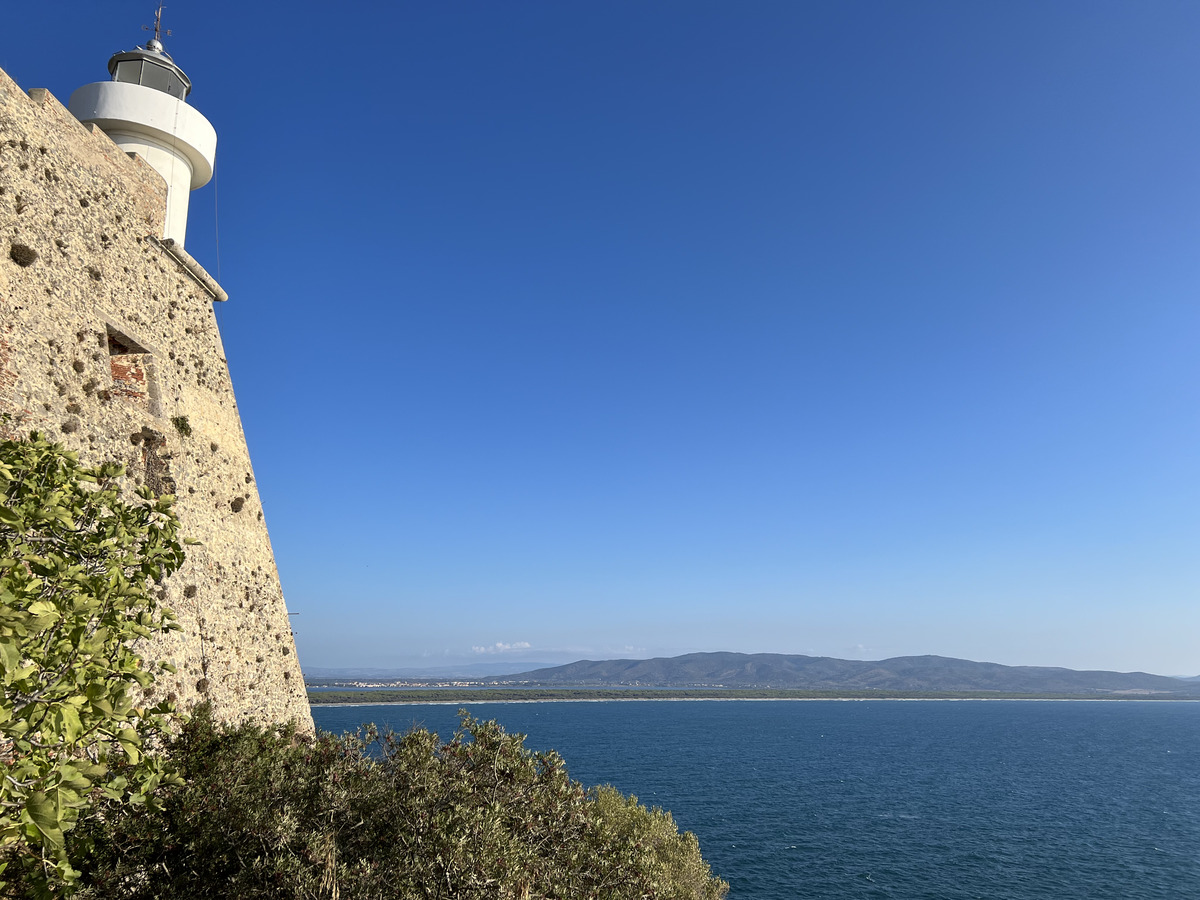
column 903, row 673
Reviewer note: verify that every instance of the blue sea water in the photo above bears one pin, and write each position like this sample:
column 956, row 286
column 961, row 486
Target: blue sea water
column 912, row 800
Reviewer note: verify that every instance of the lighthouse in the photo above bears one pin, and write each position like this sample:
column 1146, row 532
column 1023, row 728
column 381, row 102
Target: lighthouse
column 143, row 109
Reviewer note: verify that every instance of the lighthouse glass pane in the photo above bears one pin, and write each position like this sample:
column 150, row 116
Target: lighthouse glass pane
column 157, row 77
column 130, row 71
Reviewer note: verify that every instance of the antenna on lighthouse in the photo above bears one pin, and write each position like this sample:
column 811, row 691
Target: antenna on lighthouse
column 158, row 29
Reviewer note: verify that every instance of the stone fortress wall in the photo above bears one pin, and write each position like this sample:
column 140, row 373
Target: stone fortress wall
column 109, row 345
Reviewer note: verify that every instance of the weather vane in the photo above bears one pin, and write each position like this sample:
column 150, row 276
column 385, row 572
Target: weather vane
column 158, row 29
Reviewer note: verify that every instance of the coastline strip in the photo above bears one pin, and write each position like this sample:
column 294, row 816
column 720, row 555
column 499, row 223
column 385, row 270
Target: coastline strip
column 545, row 695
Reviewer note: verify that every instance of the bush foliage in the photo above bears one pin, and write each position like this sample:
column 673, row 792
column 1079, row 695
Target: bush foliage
column 377, row 815
column 78, row 566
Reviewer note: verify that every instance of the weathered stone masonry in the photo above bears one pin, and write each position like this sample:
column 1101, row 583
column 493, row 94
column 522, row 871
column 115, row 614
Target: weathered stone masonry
column 109, row 344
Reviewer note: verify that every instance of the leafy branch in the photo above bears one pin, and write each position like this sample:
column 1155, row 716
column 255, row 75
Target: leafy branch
column 78, row 566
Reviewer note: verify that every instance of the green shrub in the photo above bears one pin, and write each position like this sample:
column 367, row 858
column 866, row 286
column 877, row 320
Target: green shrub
column 265, row 815
column 658, row 860
column 78, row 567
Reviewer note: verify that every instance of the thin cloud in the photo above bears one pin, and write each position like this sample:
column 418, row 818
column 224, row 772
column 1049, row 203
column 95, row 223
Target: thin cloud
column 501, row 647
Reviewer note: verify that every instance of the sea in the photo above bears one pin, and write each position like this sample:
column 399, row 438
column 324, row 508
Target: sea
column 904, row 799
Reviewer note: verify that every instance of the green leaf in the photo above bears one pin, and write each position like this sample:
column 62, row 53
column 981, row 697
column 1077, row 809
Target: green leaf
column 46, row 817
column 72, row 728
column 131, row 744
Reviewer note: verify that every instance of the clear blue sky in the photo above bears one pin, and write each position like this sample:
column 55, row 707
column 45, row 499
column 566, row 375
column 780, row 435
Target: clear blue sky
column 567, row 330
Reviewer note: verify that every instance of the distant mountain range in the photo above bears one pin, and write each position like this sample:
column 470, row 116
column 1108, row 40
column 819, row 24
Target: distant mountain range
column 903, row 673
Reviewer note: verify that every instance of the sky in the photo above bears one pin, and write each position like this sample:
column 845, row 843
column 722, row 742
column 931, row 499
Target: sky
column 636, row 328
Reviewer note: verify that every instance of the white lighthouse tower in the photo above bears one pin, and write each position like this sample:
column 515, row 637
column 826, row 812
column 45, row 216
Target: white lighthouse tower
column 143, row 110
